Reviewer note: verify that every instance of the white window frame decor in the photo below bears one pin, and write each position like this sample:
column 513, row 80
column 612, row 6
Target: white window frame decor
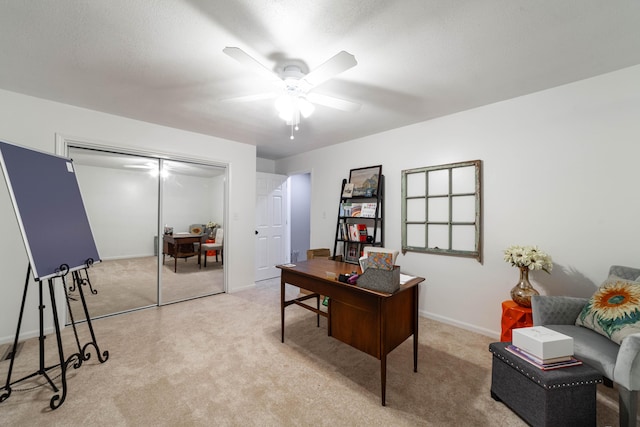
column 441, row 209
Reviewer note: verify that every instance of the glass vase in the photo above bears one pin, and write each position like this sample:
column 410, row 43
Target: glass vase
column 522, row 292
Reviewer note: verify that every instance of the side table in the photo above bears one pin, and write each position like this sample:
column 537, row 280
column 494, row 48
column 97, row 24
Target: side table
column 559, row 397
column 514, row 316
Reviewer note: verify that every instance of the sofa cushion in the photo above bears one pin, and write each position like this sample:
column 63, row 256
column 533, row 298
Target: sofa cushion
column 593, row 349
column 613, row 310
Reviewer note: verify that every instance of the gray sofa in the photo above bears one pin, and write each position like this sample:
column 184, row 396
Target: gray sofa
column 618, row 363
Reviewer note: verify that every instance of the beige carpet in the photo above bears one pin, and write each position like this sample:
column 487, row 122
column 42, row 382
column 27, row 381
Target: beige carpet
column 131, row 283
column 219, row 361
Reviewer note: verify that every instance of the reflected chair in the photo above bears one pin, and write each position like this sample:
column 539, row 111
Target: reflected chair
column 217, row 246
column 197, row 229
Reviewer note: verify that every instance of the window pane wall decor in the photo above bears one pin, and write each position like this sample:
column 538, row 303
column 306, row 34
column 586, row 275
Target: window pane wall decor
column 441, row 209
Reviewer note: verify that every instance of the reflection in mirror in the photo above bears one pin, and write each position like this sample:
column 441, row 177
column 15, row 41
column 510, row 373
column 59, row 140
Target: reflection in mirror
column 193, row 207
column 120, row 194
column 121, row 197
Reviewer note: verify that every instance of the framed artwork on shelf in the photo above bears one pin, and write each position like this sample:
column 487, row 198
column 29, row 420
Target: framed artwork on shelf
column 365, row 181
column 351, row 253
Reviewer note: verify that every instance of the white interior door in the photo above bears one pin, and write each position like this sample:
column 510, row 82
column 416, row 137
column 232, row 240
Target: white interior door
column 271, row 224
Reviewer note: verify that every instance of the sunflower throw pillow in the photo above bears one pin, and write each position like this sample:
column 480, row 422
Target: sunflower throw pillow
column 614, row 310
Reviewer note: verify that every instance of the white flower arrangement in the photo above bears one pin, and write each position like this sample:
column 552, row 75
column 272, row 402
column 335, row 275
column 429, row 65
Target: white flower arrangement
column 211, row 224
column 528, row 256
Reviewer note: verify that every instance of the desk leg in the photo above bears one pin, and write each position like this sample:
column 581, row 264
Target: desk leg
column 383, row 378
column 415, row 329
column 282, row 309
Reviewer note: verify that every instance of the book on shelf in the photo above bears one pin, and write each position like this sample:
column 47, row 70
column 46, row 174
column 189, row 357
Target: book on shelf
column 344, row 231
column 348, row 190
column 354, row 234
column 544, row 364
column 362, row 232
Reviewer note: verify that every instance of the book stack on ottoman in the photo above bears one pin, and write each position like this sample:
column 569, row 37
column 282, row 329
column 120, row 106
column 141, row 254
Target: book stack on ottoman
column 557, row 396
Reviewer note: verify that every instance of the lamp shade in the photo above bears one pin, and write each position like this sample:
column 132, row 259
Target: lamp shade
column 291, row 106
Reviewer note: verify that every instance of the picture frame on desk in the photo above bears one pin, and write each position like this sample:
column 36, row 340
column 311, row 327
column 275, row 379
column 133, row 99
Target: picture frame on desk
column 365, row 181
column 351, row 252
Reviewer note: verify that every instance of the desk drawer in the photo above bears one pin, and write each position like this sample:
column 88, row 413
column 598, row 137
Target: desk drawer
column 357, row 326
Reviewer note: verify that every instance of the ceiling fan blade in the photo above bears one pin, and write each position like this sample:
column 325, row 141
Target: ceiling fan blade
column 332, row 102
column 249, row 98
column 242, row 57
column 335, row 65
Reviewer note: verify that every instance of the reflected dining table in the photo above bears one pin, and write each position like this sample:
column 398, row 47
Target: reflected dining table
column 182, row 245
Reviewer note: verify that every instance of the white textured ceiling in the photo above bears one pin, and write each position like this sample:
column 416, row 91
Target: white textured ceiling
column 161, row 61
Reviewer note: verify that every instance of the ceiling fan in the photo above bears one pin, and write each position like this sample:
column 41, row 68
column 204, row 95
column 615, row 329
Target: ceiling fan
column 294, row 96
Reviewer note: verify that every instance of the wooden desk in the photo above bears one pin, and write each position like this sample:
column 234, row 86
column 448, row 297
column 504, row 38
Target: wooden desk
column 373, row 322
column 181, row 246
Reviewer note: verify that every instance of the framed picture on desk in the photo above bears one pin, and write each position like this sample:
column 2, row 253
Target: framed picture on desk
column 352, row 252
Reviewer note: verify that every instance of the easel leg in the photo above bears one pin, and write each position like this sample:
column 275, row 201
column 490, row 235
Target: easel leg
column 282, row 289
column 76, row 283
column 7, row 386
column 84, row 354
column 43, row 370
column 56, row 400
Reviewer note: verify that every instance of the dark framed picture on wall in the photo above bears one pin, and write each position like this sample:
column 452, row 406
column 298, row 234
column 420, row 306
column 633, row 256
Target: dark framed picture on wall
column 352, row 253
column 365, row 181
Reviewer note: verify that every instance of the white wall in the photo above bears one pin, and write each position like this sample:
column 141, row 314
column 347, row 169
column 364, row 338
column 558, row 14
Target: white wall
column 560, row 171
column 34, row 123
column 265, row 165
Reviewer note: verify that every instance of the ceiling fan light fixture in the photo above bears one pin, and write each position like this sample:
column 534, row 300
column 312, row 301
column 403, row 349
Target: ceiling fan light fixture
column 291, row 107
column 285, row 107
column 306, row 108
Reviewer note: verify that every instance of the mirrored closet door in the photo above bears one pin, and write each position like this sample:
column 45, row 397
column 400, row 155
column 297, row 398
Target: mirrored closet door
column 126, row 196
column 192, row 214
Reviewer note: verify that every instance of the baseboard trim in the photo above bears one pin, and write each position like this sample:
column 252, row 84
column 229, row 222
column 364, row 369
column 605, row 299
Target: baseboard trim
column 28, row 334
column 462, row 325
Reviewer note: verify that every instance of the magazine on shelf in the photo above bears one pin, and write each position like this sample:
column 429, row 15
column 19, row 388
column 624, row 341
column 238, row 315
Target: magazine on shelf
column 572, row 361
column 345, row 209
column 368, row 210
column 363, row 210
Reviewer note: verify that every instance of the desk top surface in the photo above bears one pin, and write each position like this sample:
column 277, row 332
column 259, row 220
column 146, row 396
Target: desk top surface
column 184, row 236
column 319, row 267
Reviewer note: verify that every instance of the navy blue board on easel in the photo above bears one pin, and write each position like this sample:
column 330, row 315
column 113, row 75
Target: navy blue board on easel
column 49, row 208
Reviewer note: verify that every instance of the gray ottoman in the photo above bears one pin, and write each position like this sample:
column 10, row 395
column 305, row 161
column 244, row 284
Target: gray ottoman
column 559, row 397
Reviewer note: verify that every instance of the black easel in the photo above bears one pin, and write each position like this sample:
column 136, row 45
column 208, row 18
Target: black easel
column 75, row 359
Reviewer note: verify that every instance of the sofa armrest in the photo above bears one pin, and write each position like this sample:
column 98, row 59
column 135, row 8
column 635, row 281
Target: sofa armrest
column 627, row 370
column 556, row 310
